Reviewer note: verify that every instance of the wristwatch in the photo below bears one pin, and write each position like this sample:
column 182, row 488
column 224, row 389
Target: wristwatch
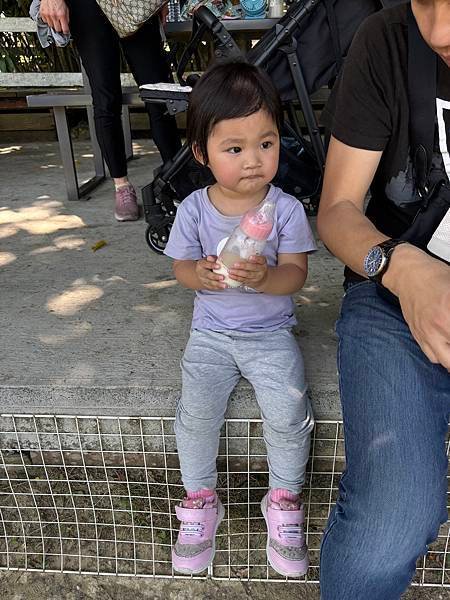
column 378, row 257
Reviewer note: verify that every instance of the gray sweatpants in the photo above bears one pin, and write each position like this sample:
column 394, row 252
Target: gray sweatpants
column 211, row 367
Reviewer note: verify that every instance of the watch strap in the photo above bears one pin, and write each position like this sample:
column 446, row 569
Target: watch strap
column 387, row 248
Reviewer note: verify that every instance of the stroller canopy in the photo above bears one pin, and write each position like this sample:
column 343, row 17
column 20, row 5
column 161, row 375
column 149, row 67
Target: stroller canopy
column 322, row 39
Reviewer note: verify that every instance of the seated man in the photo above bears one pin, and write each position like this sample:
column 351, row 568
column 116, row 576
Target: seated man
column 394, row 360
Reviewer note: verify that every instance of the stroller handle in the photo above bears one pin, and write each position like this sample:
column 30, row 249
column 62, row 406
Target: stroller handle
column 204, row 15
column 205, row 20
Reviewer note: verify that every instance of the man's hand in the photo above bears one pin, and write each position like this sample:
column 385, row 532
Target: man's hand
column 422, row 285
column 56, row 14
column 425, row 300
column 209, row 279
column 251, row 273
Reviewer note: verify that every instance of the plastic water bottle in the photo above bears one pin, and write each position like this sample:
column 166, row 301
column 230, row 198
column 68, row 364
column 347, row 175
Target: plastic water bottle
column 275, row 9
column 247, row 239
column 174, row 11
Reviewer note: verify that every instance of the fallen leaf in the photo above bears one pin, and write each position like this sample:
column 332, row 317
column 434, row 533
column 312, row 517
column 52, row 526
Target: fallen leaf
column 99, row 245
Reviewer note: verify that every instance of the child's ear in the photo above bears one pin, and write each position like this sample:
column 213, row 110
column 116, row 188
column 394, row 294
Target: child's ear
column 198, row 155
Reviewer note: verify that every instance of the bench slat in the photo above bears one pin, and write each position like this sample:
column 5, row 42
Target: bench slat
column 17, row 24
column 75, row 99
column 41, row 80
column 57, row 80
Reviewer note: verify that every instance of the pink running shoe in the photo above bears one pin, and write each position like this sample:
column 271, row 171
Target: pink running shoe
column 196, row 544
column 126, row 208
column 286, row 548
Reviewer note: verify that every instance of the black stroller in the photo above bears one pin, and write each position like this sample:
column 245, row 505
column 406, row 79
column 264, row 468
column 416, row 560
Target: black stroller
column 302, row 53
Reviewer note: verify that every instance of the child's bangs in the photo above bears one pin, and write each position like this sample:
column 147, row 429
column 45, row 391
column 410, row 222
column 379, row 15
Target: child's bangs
column 242, row 97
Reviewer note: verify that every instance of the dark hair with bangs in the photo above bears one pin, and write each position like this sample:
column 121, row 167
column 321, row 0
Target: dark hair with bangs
column 228, row 91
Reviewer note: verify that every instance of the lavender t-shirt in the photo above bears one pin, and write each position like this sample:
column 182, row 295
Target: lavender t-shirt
column 200, row 230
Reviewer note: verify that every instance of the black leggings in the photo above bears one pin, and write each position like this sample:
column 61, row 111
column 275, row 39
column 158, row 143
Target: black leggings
column 99, row 47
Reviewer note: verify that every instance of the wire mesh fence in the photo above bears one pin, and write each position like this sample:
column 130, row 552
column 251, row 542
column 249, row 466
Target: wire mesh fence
column 98, row 495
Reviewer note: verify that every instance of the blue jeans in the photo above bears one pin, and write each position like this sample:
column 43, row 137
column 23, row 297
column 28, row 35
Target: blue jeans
column 392, row 496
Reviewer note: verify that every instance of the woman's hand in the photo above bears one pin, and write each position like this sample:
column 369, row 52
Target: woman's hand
column 56, row 14
column 204, row 271
column 251, row 273
column 163, row 14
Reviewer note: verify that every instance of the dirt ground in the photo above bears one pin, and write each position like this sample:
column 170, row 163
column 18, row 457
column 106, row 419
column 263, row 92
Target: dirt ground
column 50, row 586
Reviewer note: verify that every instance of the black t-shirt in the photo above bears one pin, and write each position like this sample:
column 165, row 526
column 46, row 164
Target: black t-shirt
column 368, row 109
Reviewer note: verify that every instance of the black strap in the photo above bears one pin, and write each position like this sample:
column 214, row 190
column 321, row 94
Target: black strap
column 334, row 32
column 205, row 21
column 198, row 30
column 422, row 69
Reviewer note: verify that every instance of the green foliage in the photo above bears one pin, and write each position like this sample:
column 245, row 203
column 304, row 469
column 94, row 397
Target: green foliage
column 6, row 64
column 14, row 8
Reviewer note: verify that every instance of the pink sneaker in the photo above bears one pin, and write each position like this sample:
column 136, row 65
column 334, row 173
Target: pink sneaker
column 126, row 208
column 286, row 548
column 196, row 544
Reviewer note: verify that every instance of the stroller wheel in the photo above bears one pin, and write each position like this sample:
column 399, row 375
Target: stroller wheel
column 157, row 237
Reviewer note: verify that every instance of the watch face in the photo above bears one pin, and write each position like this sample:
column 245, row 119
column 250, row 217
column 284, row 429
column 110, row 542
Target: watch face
column 374, row 261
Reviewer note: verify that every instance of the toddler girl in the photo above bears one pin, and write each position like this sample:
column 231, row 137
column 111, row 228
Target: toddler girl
column 233, row 127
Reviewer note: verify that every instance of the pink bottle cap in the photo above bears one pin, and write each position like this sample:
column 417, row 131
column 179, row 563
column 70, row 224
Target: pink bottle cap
column 257, row 223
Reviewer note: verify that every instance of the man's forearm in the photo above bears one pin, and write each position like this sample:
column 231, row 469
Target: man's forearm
column 351, row 243
column 283, row 280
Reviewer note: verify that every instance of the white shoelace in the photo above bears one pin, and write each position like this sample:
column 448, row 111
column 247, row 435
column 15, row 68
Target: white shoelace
column 290, row 532
column 192, row 529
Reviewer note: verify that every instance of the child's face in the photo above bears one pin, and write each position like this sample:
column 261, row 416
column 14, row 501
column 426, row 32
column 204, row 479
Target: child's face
column 243, row 153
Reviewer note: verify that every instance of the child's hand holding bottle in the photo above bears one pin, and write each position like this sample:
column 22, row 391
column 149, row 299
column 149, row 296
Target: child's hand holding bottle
column 204, row 270
column 247, row 241
column 250, row 273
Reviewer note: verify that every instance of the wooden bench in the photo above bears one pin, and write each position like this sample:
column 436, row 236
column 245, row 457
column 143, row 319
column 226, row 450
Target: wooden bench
column 79, row 96
column 57, row 100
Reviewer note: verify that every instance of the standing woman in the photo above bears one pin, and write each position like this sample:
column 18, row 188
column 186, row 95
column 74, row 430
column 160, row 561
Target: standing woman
column 99, row 47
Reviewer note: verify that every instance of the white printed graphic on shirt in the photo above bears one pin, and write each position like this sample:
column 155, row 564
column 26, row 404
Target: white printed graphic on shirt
column 444, row 135
column 439, row 243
